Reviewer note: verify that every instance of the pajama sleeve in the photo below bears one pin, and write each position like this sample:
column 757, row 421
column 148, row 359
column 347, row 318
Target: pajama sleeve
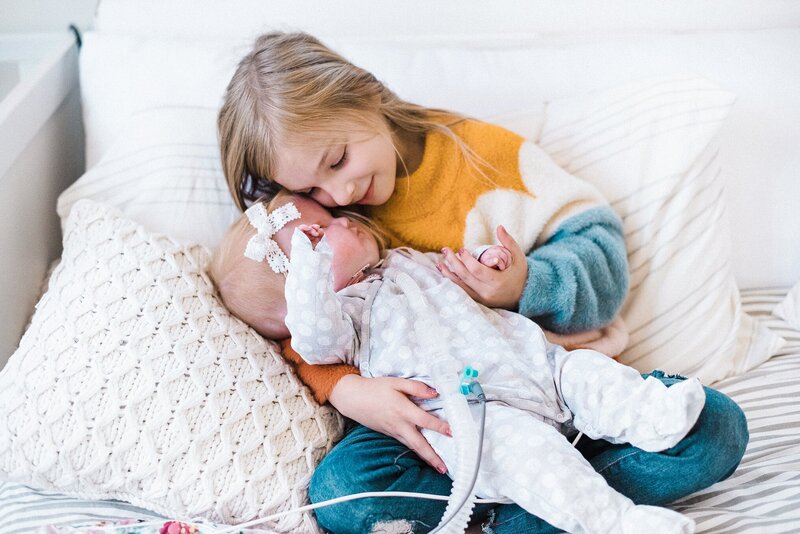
column 578, row 279
column 320, row 379
column 322, row 333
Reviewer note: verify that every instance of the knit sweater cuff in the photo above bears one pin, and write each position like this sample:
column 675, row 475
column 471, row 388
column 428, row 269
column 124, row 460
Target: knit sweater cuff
column 578, row 279
column 320, row 379
column 540, row 292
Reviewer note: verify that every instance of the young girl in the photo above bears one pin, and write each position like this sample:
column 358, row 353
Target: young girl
column 344, row 303
column 298, row 115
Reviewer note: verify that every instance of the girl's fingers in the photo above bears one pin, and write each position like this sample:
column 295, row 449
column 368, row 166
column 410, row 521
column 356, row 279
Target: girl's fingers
column 470, row 271
column 510, row 243
column 414, row 440
column 431, row 422
column 415, row 388
column 455, row 263
column 447, row 273
column 473, row 266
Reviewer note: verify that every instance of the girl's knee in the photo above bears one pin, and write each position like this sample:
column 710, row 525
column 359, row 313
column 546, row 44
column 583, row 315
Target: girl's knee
column 367, row 461
column 335, row 477
column 722, row 433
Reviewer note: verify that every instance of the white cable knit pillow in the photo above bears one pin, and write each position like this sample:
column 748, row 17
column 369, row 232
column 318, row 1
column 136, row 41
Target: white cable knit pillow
column 649, row 147
column 133, row 382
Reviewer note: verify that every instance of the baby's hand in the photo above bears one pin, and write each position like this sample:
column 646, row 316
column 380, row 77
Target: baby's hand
column 314, row 232
column 497, row 257
column 490, row 286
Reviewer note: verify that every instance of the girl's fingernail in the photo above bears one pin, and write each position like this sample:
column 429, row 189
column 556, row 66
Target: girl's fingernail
column 448, row 433
column 442, row 469
column 439, row 267
column 432, row 391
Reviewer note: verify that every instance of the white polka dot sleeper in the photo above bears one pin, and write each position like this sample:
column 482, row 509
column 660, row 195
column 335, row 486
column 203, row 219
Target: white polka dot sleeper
column 536, row 392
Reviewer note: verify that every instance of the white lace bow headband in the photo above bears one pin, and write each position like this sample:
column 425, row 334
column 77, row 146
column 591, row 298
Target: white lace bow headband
column 262, row 245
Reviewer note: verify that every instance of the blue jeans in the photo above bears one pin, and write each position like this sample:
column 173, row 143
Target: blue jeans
column 366, row 460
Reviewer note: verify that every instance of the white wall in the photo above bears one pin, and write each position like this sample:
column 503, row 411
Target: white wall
column 45, row 15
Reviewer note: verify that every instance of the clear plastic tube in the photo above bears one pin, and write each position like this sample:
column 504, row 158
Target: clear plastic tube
column 446, row 378
column 446, row 375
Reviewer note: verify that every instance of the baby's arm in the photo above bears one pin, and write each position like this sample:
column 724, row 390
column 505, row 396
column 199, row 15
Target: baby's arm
column 321, row 331
column 322, row 380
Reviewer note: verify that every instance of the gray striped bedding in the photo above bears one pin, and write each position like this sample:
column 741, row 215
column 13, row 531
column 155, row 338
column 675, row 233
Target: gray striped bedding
column 762, row 496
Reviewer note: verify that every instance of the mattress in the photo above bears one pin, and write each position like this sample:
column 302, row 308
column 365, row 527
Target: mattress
column 763, row 495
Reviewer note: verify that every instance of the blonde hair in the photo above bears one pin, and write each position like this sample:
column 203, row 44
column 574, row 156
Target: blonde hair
column 290, row 86
column 250, row 289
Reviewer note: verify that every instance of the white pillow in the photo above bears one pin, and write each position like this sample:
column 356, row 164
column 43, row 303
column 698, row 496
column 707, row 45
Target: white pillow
column 164, row 172
column 133, row 382
column 122, row 75
column 648, row 146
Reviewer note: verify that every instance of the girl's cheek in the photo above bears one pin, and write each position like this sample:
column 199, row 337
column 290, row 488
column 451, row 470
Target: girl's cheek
column 323, row 198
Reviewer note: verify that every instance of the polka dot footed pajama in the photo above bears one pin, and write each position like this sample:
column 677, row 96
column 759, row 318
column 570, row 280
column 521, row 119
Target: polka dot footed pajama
column 537, row 393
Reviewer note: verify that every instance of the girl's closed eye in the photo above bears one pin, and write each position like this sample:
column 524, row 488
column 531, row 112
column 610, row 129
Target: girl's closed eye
column 341, row 161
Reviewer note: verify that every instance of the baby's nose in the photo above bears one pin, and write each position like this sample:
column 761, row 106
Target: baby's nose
column 342, row 221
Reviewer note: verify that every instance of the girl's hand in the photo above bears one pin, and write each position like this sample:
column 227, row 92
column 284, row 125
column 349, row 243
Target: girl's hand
column 383, row 404
column 497, row 257
column 489, row 286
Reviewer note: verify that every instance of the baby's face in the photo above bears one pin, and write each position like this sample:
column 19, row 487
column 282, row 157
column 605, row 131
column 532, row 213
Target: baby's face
column 353, row 245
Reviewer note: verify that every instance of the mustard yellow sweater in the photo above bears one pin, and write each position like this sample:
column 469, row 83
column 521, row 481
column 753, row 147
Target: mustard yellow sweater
column 577, row 265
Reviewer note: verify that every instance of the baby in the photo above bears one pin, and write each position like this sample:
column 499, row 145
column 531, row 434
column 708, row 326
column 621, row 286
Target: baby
column 345, row 302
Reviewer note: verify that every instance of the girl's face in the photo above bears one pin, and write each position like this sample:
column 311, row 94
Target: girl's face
column 353, row 245
column 357, row 168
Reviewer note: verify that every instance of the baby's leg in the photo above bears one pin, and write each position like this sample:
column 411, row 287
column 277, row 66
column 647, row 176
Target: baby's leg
column 531, row 463
column 613, row 402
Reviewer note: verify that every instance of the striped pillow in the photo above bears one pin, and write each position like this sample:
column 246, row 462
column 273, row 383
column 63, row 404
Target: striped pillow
column 789, row 308
column 649, row 147
column 164, row 172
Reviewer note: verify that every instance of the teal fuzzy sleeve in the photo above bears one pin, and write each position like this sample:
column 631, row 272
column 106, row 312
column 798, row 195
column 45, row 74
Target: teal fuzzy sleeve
column 578, row 279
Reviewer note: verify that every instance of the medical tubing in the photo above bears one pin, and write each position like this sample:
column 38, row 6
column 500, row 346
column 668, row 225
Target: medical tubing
column 445, row 374
column 463, row 508
column 446, row 379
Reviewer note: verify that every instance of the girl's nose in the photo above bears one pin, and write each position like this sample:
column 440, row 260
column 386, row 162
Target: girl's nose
column 343, row 194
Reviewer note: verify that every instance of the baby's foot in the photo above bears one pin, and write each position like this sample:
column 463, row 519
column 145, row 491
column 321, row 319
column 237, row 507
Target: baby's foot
column 666, row 414
column 656, row 520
